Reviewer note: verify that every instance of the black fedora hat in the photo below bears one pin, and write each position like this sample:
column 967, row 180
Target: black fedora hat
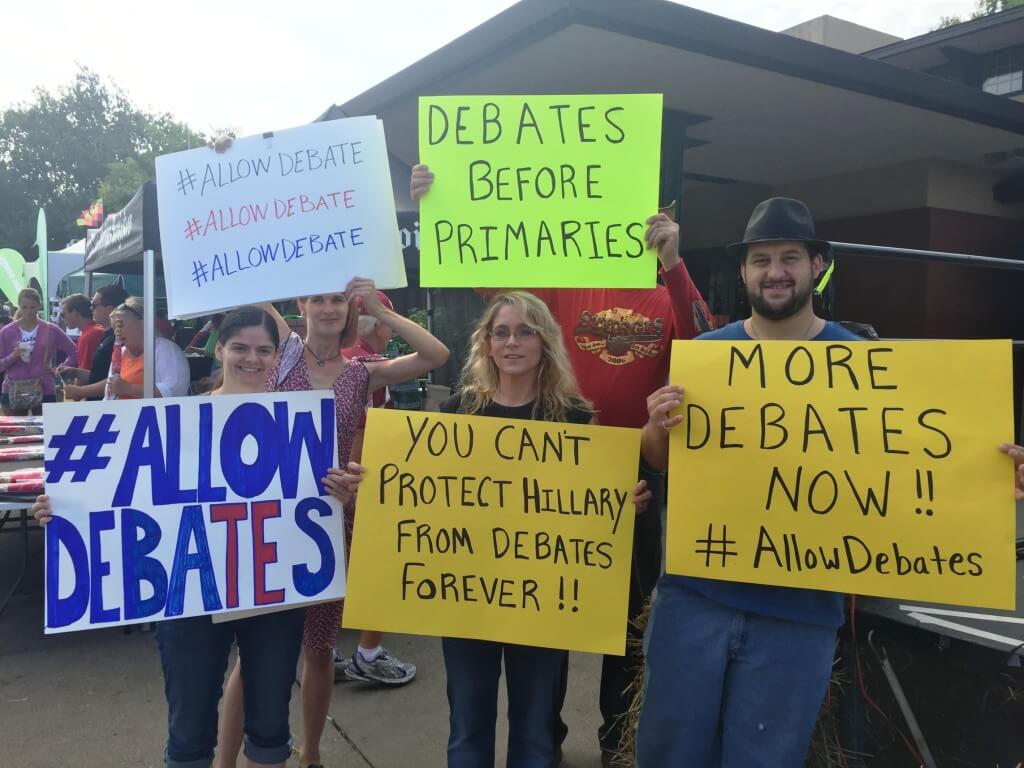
column 776, row 220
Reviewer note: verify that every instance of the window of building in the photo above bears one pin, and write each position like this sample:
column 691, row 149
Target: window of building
column 1004, row 71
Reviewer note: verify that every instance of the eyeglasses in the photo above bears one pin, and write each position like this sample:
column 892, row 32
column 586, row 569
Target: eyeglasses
column 522, row 333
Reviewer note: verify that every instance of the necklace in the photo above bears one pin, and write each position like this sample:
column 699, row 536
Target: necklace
column 756, row 336
column 321, row 361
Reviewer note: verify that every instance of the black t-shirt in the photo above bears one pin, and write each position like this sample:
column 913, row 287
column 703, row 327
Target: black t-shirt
column 454, row 405
column 101, row 359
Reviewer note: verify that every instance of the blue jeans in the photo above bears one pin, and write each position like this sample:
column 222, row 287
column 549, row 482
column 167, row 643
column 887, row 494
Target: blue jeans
column 728, row 688
column 532, row 676
column 194, row 656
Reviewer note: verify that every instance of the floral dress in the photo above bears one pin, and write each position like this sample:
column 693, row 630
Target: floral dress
column 350, row 392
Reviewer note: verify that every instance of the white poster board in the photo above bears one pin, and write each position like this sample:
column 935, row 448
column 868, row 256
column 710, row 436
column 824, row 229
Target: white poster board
column 287, row 214
column 182, row 507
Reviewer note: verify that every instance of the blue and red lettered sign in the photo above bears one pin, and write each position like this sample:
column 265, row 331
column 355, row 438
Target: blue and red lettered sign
column 164, row 509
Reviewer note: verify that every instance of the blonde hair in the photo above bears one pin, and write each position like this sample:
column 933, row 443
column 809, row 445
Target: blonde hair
column 557, row 390
column 30, row 293
column 134, row 305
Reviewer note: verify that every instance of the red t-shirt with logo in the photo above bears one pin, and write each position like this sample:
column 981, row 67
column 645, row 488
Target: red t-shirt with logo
column 619, row 339
column 89, row 338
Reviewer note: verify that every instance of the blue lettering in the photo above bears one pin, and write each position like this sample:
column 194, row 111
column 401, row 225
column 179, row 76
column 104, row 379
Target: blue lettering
column 138, row 567
column 262, row 165
column 146, row 450
column 193, row 526
column 249, row 480
column 172, row 492
column 319, row 447
column 99, row 522
column 269, row 252
column 207, row 492
column 354, row 235
column 306, row 582
column 218, row 266
column 60, row 612
column 291, row 253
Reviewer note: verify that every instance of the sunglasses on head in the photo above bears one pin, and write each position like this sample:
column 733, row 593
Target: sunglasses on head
column 127, row 308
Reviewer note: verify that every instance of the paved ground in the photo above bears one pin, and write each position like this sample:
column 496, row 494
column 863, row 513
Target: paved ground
column 95, row 699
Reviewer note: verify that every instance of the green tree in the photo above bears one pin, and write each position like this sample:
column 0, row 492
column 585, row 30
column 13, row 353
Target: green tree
column 122, row 182
column 982, row 8
column 61, row 149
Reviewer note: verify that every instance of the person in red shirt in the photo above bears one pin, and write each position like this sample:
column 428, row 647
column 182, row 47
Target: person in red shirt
column 372, row 341
column 619, row 340
column 76, row 311
column 163, row 325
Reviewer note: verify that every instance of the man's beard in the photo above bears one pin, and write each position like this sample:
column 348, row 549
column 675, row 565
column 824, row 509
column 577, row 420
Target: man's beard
column 796, row 302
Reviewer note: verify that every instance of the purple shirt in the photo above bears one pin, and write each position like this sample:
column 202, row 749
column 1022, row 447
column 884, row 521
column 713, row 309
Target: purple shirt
column 51, row 346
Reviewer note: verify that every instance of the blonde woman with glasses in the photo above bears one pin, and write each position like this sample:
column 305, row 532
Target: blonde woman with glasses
column 517, row 368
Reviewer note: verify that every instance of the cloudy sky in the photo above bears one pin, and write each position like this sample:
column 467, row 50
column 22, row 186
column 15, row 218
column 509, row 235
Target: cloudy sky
column 264, row 65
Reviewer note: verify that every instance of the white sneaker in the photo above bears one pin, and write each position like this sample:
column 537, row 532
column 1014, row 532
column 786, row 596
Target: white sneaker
column 385, row 669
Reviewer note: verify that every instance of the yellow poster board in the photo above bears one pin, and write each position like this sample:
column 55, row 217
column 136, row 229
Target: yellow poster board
column 863, row 467
column 539, row 191
column 494, row 529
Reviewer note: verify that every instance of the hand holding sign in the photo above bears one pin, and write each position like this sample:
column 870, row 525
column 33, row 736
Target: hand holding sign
column 662, row 402
column 221, row 144
column 364, row 292
column 343, row 484
column 420, row 182
column 1016, row 453
column 641, row 496
column 41, row 510
column 663, row 236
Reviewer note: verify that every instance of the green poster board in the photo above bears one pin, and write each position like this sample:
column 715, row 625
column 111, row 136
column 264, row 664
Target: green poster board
column 42, row 262
column 539, row 191
column 12, row 279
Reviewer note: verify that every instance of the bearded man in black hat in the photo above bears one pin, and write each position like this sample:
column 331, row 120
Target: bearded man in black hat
column 736, row 672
